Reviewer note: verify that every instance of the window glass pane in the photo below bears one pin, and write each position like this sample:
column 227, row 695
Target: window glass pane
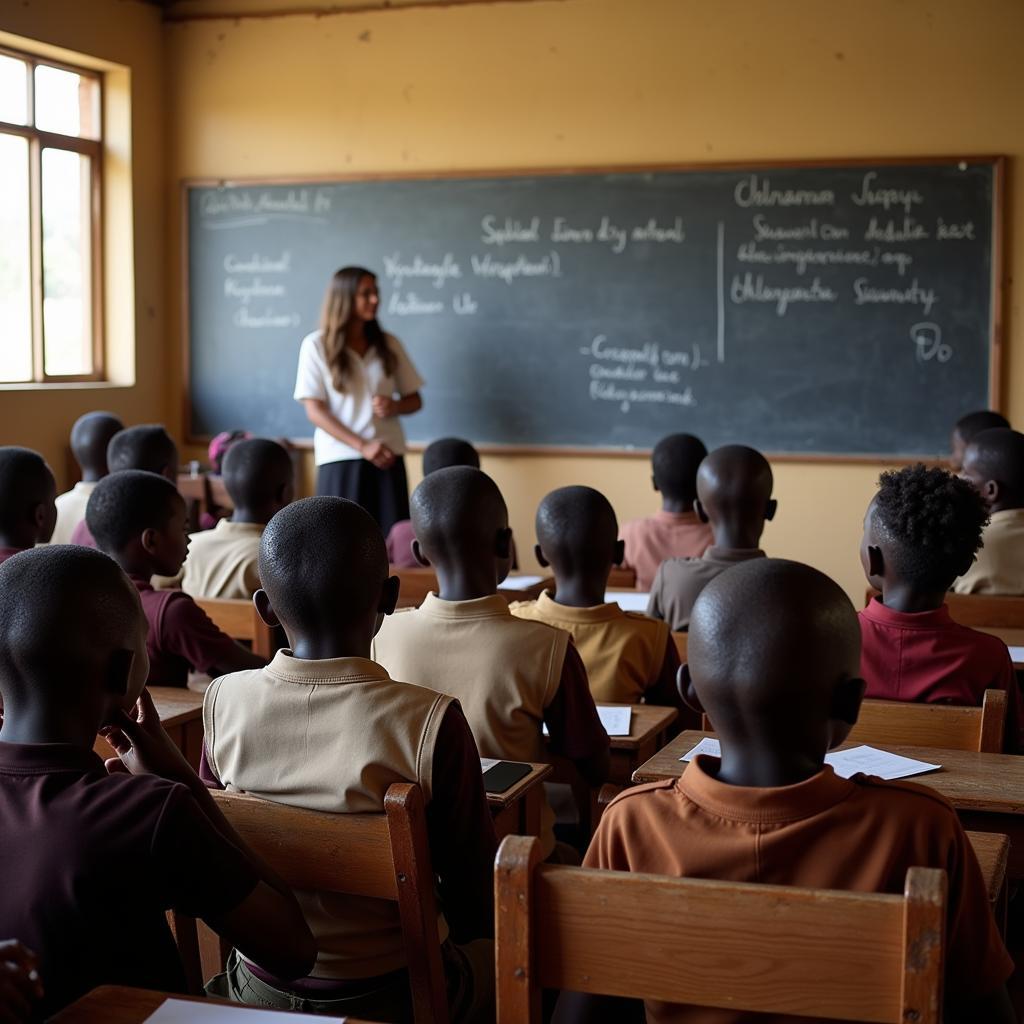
column 66, row 102
column 13, row 90
column 67, row 280
column 15, row 273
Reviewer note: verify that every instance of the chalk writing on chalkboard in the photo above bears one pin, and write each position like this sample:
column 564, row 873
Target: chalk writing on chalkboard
column 825, row 309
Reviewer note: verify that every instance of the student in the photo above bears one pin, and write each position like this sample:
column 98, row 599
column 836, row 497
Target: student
column 773, row 656
column 965, row 430
column 323, row 727
column 148, row 447
column 139, row 519
column 89, row 439
column 20, row 985
column 27, row 493
column 446, row 451
column 994, row 465
column 629, row 657
column 734, row 494
column 90, row 860
column 222, row 562
column 920, row 533
column 511, row 676
column 675, row 531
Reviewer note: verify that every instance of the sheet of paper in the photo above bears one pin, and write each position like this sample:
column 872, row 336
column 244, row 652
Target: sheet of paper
column 519, row 582
column 869, row 760
column 487, row 762
column 628, row 600
column 178, row 1011
column 1017, row 655
column 615, row 720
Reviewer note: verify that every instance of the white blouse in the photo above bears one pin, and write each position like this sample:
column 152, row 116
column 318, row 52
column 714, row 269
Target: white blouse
column 353, row 407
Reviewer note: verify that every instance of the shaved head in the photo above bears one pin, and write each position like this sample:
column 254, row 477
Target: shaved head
column 449, row 451
column 994, row 464
column 27, row 493
column 734, row 491
column 967, row 428
column 456, row 510
column 577, row 531
column 769, row 642
column 89, row 439
column 674, row 461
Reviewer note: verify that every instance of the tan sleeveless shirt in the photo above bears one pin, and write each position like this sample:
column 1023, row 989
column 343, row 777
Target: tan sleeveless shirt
column 329, row 736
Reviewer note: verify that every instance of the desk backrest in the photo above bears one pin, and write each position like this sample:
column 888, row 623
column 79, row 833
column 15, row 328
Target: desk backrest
column 386, row 856
column 621, row 578
column 681, row 641
column 416, row 584
column 240, row 620
column 720, row 944
column 979, row 611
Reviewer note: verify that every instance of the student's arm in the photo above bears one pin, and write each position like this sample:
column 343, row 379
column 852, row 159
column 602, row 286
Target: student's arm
column 461, row 831
column 20, row 987
column 404, row 406
column 571, row 717
column 373, row 451
column 188, row 631
column 213, row 874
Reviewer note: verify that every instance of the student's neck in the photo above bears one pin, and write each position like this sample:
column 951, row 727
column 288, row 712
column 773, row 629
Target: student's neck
column 1006, row 505
column 902, row 597
column 35, row 725
column 751, row 764
column 740, row 536
column 577, row 592
column 466, row 582
column 345, row 643
column 250, row 515
column 92, row 476
column 676, row 506
column 136, row 565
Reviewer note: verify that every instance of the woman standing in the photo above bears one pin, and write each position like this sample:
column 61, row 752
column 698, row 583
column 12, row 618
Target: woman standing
column 355, row 381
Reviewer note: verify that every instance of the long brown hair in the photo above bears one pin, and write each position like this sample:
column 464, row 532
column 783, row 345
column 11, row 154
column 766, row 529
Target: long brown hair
column 334, row 320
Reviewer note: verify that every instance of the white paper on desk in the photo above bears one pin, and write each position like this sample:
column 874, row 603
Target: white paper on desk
column 1016, row 655
column 616, row 721
column 519, row 582
column 178, row 1011
column 487, row 763
column 869, row 760
column 628, row 600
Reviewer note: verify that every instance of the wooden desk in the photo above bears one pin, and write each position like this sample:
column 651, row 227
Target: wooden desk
column 987, row 790
column 647, row 727
column 181, row 713
column 516, row 812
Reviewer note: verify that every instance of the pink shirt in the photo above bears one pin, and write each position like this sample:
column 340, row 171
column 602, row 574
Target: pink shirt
column 649, row 541
column 400, row 545
column 83, row 536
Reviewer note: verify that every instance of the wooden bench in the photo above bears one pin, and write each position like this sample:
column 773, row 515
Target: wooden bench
column 385, row 856
column 621, row 579
column 240, row 620
column 681, row 641
column 417, row 583
column 731, row 945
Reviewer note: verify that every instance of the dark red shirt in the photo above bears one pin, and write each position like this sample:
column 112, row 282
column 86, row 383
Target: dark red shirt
column 6, row 553
column 82, row 535
column 90, row 862
column 927, row 657
column 181, row 637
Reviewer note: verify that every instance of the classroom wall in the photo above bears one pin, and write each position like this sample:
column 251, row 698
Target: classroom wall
column 128, row 34
column 589, row 82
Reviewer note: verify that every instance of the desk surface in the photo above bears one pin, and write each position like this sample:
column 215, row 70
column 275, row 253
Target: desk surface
column 646, row 721
column 989, row 783
column 176, row 704
column 499, row 801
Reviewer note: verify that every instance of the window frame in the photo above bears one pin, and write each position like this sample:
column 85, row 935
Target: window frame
column 38, row 140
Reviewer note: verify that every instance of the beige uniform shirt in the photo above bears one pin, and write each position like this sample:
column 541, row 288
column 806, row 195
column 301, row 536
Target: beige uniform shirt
column 71, row 511
column 999, row 567
column 223, row 562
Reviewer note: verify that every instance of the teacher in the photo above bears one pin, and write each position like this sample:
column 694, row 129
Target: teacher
column 355, row 380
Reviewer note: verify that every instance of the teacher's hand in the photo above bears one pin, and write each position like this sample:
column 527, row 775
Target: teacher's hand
column 384, row 406
column 378, row 453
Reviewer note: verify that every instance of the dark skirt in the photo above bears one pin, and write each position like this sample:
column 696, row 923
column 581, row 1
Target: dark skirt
column 384, row 493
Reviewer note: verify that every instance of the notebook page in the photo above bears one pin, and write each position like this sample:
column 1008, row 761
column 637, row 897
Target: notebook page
column 615, row 720
column 628, row 600
column 178, row 1011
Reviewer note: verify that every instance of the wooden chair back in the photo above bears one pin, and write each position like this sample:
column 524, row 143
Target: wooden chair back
column 681, row 641
column 979, row 611
column 718, row 944
column 415, row 585
column 385, row 856
column 240, row 620
column 621, row 578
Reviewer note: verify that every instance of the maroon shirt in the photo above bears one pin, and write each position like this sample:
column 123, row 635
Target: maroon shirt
column 400, row 540
column 181, row 636
column 82, row 535
column 90, row 862
column 6, row 553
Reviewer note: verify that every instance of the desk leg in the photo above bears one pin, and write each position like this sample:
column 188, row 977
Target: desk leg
column 529, row 812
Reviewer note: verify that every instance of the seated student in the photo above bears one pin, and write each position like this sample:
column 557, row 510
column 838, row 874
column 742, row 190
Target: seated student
column 92, row 857
column 920, row 533
column 27, row 492
column 325, row 728
column 511, row 676
column 222, row 562
column 994, row 464
column 89, row 439
column 446, row 451
column 965, row 430
column 20, row 985
column 734, row 494
column 675, row 531
column 773, row 656
column 139, row 519
column 628, row 656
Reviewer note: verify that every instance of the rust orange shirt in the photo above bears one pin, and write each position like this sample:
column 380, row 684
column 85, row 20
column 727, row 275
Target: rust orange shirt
column 858, row 834
column 652, row 539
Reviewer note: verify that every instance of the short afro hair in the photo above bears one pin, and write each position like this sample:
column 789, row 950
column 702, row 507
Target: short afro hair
column 147, row 446
column 674, row 461
column 254, row 471
column 449, row 451
column 457, row 508
column 998, row 454
column 91, row 436
column 125, row 504
column 975, row 422
column 25, row 482
column 577, row 529
column 933, row 521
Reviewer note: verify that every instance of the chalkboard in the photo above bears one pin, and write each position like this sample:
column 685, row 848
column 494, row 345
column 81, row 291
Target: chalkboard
column 808, row 310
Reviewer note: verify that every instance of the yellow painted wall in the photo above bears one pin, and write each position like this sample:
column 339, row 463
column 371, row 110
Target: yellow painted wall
column 128, row 34
column 592, row 82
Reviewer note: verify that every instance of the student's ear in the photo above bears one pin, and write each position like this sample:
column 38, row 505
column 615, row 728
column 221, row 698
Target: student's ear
column 619, row 554
column 688, row 695
column 847, row 696
column 417, row 553
column 150, row 540
column 770, row 510
column 503, row 543
column 263, row 608
column 119, row 672
column 876, row 562
column 701, row 514
column 389, row 595
column 654, row 483
column 539, row 555
column 991, row 491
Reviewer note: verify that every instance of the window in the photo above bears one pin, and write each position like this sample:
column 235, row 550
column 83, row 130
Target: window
column 50, row 187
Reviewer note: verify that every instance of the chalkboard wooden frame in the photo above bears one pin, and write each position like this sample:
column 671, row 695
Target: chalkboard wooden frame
column 996, row 161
